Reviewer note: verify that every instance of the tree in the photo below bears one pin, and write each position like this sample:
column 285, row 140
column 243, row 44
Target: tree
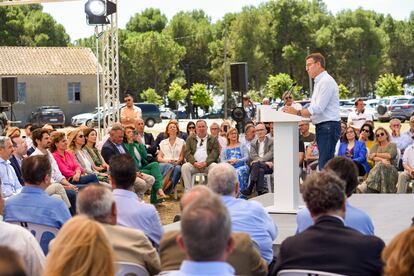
column 177, row 93
column 200, row 96
column 388, row 85
column 278, row 84
column 255, row 96
column 147, row 60
column 149, row 20
column 150, row 96
column 343, row 91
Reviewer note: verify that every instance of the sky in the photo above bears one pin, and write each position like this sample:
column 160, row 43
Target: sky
column 72, row 16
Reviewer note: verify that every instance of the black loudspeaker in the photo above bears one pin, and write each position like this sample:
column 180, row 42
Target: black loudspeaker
column 239, row 77
column 9, row 89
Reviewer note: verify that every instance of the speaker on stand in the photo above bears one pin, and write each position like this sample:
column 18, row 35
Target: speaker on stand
column 9, row 92
column 239, row 76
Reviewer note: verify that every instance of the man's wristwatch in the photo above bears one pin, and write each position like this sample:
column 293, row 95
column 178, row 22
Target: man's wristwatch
column 299, row 113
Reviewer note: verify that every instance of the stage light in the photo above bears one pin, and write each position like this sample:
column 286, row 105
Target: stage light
column 98, row 10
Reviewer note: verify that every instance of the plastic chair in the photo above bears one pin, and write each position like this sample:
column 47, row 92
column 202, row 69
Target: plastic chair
column 201, row 175
column 130, row 269
column 305, row 272
column 43, row 233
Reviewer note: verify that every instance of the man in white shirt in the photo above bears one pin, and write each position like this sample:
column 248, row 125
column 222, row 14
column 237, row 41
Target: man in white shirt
column 323, row 109
column 24, row 243
column 202, row 153
column 10, row 183
column 405, row 177
column 359, row 116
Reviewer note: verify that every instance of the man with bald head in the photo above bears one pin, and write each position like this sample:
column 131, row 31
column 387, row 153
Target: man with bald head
column 245, row 258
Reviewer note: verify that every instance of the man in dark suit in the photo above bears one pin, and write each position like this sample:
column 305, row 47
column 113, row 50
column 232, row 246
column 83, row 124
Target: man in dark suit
column 114, row 145
column 329, row 245
column 20, row 149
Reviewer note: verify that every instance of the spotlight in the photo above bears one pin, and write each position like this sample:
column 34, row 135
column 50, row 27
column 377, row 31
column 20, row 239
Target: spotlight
column 98, row 10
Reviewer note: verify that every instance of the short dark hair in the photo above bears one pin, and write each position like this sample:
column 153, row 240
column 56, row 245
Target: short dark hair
column 35, row 169
column 126, row 95
column 317, row 57
column 357, row 101
column 123, row 170
column 346, row 170
column 371, row 135
column 323, row 192
column 28, row 125
column 37, row 134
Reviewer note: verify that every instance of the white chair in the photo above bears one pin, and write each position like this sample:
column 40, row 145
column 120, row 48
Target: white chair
column 43, row 233
column 305, row 272
column 130, row 269
column 202, row 176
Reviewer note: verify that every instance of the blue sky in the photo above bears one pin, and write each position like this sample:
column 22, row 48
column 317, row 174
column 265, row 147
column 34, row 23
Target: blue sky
column 71, row 14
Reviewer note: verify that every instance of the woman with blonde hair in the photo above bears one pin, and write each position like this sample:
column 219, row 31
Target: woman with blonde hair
column 81, row 248
column 398, row 256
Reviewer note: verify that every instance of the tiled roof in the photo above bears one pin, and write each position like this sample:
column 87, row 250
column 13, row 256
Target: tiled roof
column 46, row 61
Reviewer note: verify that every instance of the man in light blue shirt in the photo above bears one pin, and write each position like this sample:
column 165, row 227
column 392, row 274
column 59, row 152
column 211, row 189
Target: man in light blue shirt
column 132, row 212
column 33, row 204
column 206, row 238
column 246, row 216
column 323, row 109
column 10, row 182
column 354, row 217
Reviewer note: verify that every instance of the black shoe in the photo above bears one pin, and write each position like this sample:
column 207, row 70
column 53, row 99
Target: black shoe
column 262, row 192
column 248, row 191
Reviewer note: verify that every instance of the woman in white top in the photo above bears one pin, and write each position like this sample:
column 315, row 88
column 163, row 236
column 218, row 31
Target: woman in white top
column 171, row 156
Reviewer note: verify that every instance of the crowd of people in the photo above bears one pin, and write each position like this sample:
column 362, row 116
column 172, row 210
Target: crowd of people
column 91, row 194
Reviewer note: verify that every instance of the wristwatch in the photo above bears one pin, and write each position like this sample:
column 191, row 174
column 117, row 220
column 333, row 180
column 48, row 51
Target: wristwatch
column 299, row 113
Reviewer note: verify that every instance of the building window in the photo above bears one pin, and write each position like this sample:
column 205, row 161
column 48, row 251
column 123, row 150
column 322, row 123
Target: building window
column 74, row 92
column 21, row 92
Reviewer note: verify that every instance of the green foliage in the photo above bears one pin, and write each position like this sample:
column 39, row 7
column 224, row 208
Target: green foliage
column 343, row 91
column 255, row 96
column 200, row 95
column 147, row 60
column 388, row 85
column 151, row 96
column 30, row 26
column 278, row 84
column 149, row 20
column 176, row 93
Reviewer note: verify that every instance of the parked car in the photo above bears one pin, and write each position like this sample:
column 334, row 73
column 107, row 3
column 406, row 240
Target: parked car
column 51, row 115
column 402, row 111
column 181, row 114
column 384, row 105
column 345, row 107
column 167, row 113
column 371, row 107
column 150, row 114
column 84, row 119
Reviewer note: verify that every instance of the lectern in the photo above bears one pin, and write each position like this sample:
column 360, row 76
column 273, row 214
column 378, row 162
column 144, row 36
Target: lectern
column 286, row 160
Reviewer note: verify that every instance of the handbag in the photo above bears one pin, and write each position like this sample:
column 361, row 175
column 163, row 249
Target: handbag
column 166, row 180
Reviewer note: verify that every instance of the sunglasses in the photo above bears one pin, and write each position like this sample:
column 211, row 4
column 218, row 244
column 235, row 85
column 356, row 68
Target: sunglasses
column 128, row 100
column 380, row 134
column 191, row 127
column 81, row 136
column 288, row 97
column 365, row 130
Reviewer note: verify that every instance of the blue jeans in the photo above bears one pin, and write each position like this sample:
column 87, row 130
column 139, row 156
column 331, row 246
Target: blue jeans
column 327, row 135
column 176, row 175
column 84, row 180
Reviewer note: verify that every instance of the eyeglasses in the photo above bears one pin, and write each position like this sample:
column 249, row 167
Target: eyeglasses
column 288, row 98
column 309, row 65
column 365, row 130
column 380, row 134
column 396, row 125
column 128, row 100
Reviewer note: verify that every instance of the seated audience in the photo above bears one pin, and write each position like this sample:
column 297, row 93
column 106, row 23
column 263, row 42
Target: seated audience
column 131, row 211
column 304, row 134
column 329, row 245
column 410, row 131
column 130, row 245
column 80, row 248
column 33, row 204
column 355, row 150
column 248, row 137
column 245, row 257
column 162, row 135
column 206, row 239
column 398, row 255
column 405, row 177
column 383, row 176
column 215, row 132
column 136, row 148
column 67, row 163
column 191, row 127
column 90, row 148
column 354, row 218
column 10, row 183
column 76, row 141
column 201, row 153
column 261, row 161
column 114, row 146
column 24, row 243
column 11, row 263
column 246, row 216
column 13, row 132
column 367, row 136
column 28, row 129
column 171, row 156
column 312, row 156
column 237, row 156
column 42, row 142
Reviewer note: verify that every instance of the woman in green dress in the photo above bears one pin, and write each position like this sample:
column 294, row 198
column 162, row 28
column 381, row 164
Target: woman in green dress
column 135, row 146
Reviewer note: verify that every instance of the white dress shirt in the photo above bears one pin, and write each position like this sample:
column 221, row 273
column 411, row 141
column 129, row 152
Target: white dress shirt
column 10, row 183
column 57, row 176
column 172, row 152
column 201, row 152
column 324, row 104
